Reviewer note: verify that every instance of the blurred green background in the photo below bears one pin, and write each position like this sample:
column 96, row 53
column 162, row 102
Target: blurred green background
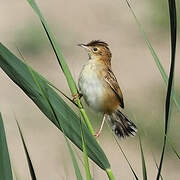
column 144, row 91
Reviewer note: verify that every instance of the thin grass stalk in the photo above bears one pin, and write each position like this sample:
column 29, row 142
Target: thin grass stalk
column 173, row 28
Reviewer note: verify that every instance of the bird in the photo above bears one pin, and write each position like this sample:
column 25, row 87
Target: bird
column 100, row 89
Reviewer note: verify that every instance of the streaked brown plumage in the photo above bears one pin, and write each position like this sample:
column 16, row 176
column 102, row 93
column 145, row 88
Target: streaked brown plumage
column 101, row 90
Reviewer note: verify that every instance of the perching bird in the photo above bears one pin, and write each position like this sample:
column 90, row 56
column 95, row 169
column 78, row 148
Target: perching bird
column 100, row 89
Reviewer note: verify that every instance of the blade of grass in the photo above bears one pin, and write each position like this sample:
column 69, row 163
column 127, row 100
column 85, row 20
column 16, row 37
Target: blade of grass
column 62, row 63
column 173, row 27
column 143, row 161
column 5, row 164
column 38, row 90
column 30, row 165
column 155, row 57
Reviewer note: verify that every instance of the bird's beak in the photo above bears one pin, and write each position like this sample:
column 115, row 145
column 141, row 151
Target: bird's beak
column 84, row 46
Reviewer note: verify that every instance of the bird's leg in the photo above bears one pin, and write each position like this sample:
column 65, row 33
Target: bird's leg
column 76, row 96
column 100, row 129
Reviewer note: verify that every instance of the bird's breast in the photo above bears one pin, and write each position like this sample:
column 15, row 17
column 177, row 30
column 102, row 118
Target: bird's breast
column 95, row 90
column 91, row 86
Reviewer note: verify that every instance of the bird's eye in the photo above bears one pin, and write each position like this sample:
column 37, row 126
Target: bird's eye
column 95, row 49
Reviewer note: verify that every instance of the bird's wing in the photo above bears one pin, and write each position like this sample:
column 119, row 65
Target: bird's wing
column 112, row 81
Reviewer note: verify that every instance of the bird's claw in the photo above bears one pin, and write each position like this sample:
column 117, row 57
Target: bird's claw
column 76, row 96
column 96, row 135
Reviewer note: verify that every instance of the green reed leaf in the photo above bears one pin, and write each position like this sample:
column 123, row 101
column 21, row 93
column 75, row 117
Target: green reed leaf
column 169, row 96
column 5, row 164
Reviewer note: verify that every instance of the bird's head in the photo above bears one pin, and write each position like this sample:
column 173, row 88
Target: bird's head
column 98, row 50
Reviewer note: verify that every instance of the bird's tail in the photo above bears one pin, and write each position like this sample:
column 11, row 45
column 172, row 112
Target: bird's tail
column 121, row 126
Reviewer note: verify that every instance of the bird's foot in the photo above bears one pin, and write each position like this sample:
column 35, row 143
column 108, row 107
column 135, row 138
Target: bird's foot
column 96, row 135
column 76, row 96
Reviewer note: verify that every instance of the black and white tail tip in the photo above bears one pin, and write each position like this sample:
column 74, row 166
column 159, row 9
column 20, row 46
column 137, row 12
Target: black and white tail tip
column 121, row 126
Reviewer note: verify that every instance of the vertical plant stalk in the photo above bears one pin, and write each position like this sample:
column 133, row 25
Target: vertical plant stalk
column 62, row 63
column 110, row 174
column 173, row 25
